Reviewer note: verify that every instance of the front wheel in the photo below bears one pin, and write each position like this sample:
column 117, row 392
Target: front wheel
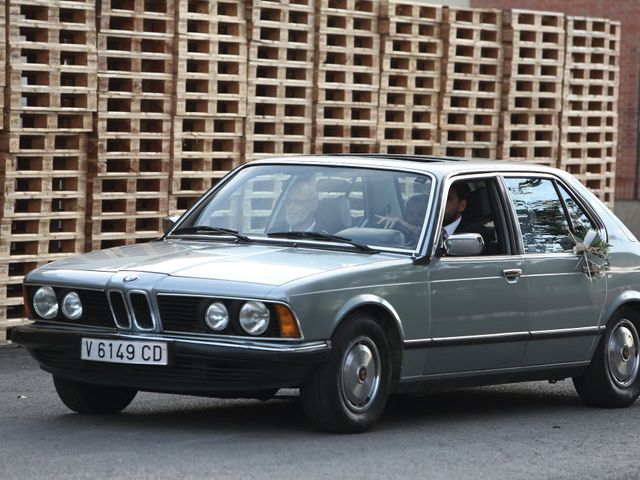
column 613, row 378
column 348, row 393
column 88, row 398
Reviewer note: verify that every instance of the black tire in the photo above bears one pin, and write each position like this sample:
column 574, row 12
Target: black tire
column 613, row 378
column 348, row 393
column 87, row 398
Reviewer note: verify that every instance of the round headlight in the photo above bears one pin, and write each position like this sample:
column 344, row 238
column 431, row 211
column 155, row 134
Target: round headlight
column 216, row 316
column 45, row 303
column 254, row 318
column 72, row 306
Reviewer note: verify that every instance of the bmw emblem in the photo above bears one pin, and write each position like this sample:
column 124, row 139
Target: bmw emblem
column 130, row 278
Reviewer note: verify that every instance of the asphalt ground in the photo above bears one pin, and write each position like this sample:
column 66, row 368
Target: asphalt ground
column 523, row 431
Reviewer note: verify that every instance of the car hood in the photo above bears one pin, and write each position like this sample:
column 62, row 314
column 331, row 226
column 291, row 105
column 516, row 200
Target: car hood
column 262, row 264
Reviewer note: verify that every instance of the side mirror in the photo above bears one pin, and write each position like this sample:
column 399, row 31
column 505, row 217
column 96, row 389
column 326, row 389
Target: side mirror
column 169, row 222
column 464, row 245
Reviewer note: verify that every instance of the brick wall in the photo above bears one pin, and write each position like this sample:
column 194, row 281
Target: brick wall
column 628, row 13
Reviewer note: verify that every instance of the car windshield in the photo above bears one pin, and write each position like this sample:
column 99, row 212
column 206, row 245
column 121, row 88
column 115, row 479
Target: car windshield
column 367, row 207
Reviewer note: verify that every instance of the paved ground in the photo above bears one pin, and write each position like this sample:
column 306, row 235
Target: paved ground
column 524, row 431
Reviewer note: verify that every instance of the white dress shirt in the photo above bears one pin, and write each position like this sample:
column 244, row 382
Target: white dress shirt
column 451, row 228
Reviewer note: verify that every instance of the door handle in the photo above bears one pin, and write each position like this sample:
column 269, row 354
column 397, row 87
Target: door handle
column 511, row 274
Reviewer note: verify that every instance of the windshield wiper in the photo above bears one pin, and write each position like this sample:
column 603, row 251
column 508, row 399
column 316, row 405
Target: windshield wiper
column 322, row 236
column 207, row 230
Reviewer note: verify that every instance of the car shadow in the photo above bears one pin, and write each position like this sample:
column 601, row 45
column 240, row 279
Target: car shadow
column 484, row 402
column 152, row 412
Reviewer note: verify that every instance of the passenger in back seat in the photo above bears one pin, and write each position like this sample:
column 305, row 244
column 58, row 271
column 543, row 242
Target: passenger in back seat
column 414, row 213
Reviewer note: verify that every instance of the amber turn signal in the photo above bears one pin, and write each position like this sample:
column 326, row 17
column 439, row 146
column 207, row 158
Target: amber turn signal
column 25, row 301
column 288, row 325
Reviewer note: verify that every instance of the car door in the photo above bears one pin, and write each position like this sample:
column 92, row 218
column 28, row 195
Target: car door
column 564, row 302
column 478, row 314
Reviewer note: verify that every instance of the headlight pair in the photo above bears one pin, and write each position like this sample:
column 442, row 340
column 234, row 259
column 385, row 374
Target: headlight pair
column 254, row 317
column 45, row 304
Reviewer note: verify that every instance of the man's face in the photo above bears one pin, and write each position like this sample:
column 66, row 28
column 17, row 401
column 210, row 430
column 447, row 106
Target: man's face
column 300, row 206
column 454, row 207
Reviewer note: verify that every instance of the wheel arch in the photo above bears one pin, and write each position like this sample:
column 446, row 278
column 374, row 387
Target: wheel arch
column 386, row 316
column 626, row 299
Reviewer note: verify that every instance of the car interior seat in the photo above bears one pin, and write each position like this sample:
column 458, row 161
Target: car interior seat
column 334, row 210
column 333, row 214
column 478, row 218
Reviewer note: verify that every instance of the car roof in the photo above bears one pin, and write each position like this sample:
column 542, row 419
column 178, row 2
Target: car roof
column 439, row 165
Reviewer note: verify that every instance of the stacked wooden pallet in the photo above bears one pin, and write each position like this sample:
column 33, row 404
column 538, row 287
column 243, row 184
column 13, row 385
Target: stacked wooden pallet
column 9, row 290
column 116, row 130
column 281, row 67
column 3, row 59
column 135, row 104
column 471, row 90
column 348, row 73
column 211, row 94
column 590, row 103
column 410, row 77
column 50, row 102
column 534, row 46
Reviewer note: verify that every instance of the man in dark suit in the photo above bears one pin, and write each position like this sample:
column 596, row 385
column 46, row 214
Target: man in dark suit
column 464, row 213
column 456, row 204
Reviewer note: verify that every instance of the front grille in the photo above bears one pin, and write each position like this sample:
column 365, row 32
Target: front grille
column 141, row 311
column 95, row 308
column 116, row 299
column 182, row 314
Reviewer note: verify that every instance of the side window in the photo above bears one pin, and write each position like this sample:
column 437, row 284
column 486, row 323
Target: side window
column 543, row 223
column 473, row 206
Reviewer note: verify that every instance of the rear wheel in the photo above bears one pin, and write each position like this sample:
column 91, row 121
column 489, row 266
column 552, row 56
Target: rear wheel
column 613, row 378
column 348, row 393
column 87, row 398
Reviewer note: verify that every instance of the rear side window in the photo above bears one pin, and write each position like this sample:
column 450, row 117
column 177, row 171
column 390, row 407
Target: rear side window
column 543, row 220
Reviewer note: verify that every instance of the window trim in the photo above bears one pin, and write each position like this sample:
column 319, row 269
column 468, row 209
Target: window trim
column 591, row 215
column 512, row 221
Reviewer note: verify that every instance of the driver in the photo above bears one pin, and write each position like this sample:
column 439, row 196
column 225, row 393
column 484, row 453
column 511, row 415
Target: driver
column 456, row 204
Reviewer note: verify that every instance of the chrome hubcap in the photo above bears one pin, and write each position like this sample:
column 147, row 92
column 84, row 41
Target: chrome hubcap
column 360, row 374
column 622, row 353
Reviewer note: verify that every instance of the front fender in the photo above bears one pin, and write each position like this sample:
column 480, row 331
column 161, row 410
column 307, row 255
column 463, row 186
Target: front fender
column 367, row 300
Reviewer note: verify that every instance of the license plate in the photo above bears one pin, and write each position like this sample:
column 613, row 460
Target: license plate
column 122, row 351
